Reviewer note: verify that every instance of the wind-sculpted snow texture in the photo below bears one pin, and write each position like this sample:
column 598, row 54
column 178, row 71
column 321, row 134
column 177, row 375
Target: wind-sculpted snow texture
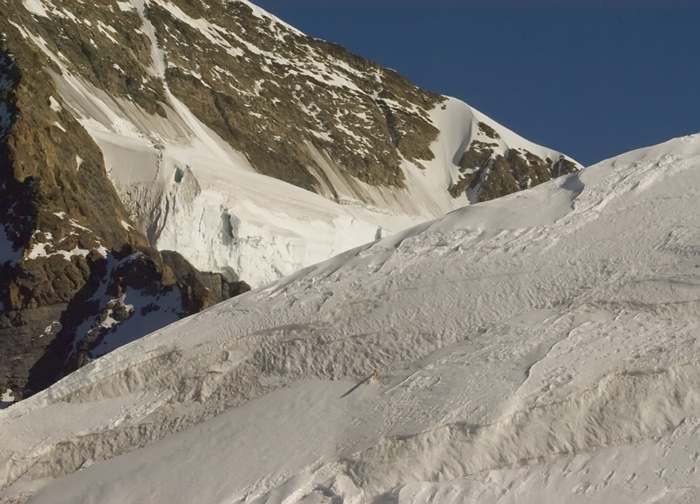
column 253, row 149
column 537, row 348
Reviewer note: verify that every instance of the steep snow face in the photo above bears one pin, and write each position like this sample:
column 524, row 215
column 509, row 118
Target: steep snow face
column 192, row 193
column 537, row 348
column 189, row 148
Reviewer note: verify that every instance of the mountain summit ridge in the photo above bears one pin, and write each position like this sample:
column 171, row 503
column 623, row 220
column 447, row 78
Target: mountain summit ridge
column 300, row 109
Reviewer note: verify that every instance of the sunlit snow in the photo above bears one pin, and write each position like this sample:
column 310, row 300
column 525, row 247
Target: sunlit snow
column 542, row 347
column 36, row 7
column 55, row 106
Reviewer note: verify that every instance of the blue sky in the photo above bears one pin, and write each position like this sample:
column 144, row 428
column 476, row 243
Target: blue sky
column 590, row 78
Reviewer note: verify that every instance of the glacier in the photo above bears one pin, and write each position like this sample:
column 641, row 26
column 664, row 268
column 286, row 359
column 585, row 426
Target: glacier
column 190, row 191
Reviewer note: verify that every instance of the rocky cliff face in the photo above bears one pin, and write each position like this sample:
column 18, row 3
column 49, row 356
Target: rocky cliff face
column 210, row 128
column 75, row 276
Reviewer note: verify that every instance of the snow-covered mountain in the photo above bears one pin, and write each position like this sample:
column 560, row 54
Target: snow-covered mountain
column 542, row 347
column 221, row 96
column 214, row 130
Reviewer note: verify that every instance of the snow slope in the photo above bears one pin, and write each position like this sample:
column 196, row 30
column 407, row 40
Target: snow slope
column 537, row 348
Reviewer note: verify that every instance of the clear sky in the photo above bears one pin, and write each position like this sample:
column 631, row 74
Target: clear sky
column 591, row 78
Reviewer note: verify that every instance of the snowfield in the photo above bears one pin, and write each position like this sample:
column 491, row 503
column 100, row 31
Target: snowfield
column 542, row 347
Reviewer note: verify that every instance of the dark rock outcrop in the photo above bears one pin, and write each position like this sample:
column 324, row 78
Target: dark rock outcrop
column 486, row 174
